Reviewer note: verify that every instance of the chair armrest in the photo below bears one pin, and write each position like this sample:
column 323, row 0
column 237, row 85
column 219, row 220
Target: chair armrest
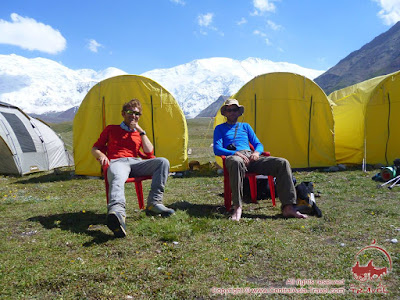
column 105, row 168
column 265, row 153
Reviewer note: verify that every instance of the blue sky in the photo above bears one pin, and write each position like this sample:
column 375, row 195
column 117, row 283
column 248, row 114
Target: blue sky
column 140, row 35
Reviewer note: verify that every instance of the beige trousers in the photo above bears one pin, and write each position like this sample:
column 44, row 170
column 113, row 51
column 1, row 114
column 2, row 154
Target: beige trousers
column 265, row 165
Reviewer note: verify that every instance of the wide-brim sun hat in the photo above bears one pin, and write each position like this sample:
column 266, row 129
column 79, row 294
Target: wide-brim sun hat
column 229, row 102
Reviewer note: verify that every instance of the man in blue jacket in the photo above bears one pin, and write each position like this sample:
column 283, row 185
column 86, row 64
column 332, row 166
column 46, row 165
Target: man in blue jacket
column 232, row 139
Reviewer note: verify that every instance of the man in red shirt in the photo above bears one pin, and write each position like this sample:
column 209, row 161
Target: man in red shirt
column 119, row 146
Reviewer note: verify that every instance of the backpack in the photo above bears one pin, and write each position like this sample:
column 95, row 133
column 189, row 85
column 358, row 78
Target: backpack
column 263, row 190
column 306, row 200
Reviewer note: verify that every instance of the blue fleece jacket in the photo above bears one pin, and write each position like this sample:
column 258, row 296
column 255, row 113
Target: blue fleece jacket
column 224, row 135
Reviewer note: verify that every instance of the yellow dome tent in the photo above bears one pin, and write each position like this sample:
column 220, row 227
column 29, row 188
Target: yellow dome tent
column 162, row 119
column 291, row 116
column 367, row 121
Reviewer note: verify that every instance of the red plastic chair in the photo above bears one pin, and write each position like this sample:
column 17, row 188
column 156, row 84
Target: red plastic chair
column 136, row 180
column 252, row 182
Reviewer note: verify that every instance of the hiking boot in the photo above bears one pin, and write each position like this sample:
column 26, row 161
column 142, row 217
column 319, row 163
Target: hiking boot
column 116, row 223
column 159, row 209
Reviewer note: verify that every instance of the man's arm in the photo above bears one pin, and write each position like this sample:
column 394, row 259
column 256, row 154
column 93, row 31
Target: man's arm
column 218, row 143
column 254, row 141
column 146, row 144
column 100, row 156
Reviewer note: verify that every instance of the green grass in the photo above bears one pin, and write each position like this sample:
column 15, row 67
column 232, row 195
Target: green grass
column 55, row 244
column 65, row 132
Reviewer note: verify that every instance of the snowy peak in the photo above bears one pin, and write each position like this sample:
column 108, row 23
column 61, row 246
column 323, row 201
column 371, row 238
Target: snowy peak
column 41, row 85
column 199, row 83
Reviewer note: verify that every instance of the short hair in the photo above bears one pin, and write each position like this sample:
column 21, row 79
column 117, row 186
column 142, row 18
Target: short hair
column 132, row 104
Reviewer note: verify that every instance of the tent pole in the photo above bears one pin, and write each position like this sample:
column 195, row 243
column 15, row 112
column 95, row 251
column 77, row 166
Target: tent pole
column 103, row 111
column 388, row 135
column 152, row 123
column 255, row 113
column 309, row 132
column 364, row 162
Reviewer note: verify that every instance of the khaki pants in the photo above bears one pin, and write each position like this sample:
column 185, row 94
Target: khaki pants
column 265, row 165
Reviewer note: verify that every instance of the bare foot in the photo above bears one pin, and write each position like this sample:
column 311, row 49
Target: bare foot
column 290, row 212
column 237, row 213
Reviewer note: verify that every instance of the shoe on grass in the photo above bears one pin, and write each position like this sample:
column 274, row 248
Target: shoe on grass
column 116, row 223
column 159, row 209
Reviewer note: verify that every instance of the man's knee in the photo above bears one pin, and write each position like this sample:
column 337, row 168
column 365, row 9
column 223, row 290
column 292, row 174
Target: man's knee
column 283, row 162
column 163, row 162
column 233, row 160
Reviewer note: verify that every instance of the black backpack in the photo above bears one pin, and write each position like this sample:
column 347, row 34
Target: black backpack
column 263, row 190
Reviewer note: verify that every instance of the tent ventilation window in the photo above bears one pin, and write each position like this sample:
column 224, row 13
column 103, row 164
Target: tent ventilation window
column 23, row 136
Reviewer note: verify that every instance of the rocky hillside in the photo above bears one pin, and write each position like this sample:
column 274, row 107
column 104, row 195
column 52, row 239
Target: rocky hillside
column 379, row 57
column 212, row 109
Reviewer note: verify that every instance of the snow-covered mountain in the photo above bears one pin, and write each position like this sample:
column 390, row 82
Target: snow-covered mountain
column 41, row 85
column 197, row 84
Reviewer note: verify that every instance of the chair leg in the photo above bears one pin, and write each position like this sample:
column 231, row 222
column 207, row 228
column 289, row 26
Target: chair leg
column 253, row 188
column 139, row 192
column 227, row 193
column 107, row 187
column 272, row 189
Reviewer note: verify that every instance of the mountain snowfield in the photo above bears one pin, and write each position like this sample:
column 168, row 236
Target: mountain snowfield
column 41, row 85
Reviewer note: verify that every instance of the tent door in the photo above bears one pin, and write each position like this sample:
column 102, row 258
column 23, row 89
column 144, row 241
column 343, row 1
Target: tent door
column 11, row 146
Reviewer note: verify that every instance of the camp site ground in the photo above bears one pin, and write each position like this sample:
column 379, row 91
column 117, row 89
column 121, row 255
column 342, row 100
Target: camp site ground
column 55, row 243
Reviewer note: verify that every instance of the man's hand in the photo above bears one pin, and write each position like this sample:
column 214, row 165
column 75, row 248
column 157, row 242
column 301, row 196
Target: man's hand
column 244, row 157
column 254, row 156
column 103, row 160
column 100, row 156
column 133, row 125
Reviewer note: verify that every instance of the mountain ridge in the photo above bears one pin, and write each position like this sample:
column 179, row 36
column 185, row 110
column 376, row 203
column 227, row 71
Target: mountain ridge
column 46, row 88
column 380, row 56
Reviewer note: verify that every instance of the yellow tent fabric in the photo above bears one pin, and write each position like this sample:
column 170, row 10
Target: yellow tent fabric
column 291, row 116
column 367, row 121
column 162, row 119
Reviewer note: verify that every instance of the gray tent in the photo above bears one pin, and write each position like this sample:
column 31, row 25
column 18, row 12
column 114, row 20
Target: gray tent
column 28, row 145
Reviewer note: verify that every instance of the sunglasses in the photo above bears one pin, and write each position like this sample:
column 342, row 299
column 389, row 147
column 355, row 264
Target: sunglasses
column 131, row 112
column 232, row 109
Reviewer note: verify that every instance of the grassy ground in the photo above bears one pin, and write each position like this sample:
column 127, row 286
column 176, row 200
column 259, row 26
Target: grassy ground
column 55, row 244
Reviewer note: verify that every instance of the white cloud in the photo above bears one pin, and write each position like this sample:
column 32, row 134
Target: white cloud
column 94, row 45
column 181, row 2
column 263, row 35
column 260, row 33
column 390, row 12
column 205, row 20
column 29, row 34
column 262, row 6
column 273, row 25
column 242, row 21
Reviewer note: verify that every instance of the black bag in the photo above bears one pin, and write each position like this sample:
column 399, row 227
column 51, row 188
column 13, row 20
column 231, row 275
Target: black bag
column 306, row 199
column 263, row 190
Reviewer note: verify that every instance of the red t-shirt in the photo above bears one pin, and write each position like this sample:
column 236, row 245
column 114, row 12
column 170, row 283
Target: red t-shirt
column 117, row 142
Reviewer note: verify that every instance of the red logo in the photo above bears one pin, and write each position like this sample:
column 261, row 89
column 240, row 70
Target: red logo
column 370, row 271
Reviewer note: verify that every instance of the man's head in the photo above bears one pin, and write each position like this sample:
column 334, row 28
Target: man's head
column 232, row 106
column 131, row 105
column 131, row 111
